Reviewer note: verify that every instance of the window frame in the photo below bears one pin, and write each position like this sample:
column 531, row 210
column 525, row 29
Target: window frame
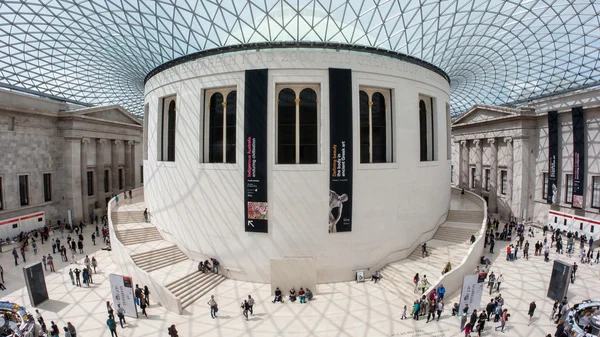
column 2, row 207
column 473, row 173
column 486, row 178
column 569, row 188
column 388, row 94
column 208, row 93
column 90, row 183
column 595, row 199
column 451, row 173
column 163, row 128
column 121, row 178
column 503, row 181
column 47, row 196
column 27, row 201
column 430, row 127
column 297, row 88
column 107, row 180
column 141, row 174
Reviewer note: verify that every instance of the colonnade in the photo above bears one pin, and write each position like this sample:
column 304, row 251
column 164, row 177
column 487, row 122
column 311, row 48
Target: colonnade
column 465, row 163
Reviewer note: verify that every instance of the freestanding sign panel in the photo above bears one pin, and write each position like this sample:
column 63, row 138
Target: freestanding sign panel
column 559, row 280
column 340, row 154
column 578, row 156
column 255, row 145
column 36, row 283
column 472, row 290
column 122, row 293
column 552, row 193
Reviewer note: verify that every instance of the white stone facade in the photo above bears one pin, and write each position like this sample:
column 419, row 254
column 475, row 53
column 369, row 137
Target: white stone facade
column 41, row 136
column 200, row 205
column 515, row 140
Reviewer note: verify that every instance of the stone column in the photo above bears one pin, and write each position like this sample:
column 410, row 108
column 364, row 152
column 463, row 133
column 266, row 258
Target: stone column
column 463, row 176
column 478, row 165
column 114, row 166
column 132, row 164
column 100, row 143
column 127, row 164
column 493, row 197
column 71, row 153
column 509, row 173
column 84, row 182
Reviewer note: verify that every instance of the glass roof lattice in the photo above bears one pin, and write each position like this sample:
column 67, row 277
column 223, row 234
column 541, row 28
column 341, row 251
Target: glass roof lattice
column 495, row 51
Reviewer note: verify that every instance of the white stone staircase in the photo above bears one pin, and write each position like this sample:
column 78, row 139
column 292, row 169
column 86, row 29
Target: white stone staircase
column 193, row 286
column 449, row 244
column 160, row 260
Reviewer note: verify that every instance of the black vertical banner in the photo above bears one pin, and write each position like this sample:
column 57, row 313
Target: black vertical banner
column 552, row 193
column 255, row 151
column 340, row 155
column 578, row 153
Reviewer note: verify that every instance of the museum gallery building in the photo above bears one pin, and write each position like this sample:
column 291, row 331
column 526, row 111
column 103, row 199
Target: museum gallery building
column 309, row 159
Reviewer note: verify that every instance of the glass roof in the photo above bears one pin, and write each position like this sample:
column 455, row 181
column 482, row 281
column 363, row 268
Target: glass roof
column 495, row 51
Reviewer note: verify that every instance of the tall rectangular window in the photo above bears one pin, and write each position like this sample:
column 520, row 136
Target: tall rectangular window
column 166, row 129
column 504, row 180
column 569, row 189
column 106, row 181
column 47, row 187
column 427, row 128
column 376, row 141
column 24, row 190
column 486, row 179
column 297, row 129
column 1, row 195
column 141, row 174
column 90, row 183
column 595, row 192
column 220, row 126
column 473, row 174
column 452, row 174
column 545, row 186
column 120, row 179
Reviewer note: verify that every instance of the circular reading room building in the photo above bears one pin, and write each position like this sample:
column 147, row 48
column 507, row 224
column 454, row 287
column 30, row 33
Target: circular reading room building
column 297, row 160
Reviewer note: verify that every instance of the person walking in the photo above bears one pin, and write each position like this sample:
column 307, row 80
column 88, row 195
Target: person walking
column 173, row 331
column 121, row 315
column 94, row 238
column 503, row 319
column 416, row 280
column 245, row 308
column 15, row 255
column 94, row 264
column 44, row 262
column 72, row 276
column 440, row 308
column 498, row 282
column 54, row 330
column 532, row 307
column 213, row 307
column 72, row 330
column 143, row 305
column 112, row 326
column 50, row 261
column 139, row 293
column 251, row 305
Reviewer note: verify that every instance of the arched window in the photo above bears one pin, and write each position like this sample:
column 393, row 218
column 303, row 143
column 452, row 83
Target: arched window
column 308, row 128
column 297, row 125
column 375, row 118
column 286, row 127
column 423, row 129
column 220, row 131
column 171, row 132
column 167, row 129
column 427, row 128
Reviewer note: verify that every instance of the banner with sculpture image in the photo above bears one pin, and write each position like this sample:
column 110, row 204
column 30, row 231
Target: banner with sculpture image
column 578, row 156
column 340, row 155
column 552, row 192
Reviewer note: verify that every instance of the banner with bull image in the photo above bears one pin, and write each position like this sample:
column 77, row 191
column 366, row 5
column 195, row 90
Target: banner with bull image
column 256, row 207
column 340, row 154
column 578, row 156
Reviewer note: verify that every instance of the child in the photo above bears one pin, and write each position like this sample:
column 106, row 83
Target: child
column 403, row 313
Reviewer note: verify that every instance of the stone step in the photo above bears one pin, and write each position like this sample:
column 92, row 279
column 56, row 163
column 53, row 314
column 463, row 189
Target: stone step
column 138, row 235
column 183, row 283
column 166, row 258
column 194, row 292
column 165, row 263
column 154, row 252
column 464, row 216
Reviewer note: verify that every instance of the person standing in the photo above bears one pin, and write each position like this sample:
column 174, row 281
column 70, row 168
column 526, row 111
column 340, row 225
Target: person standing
column 2, row 273
column 138, row 294
column 15, row 255
column 72, row 276
column 503, row 319
column 245, row 308
column 34, row 246
column 143, row 305
column 440, row 308
column 40, row 320
column 77, row 279
column 498, row 282
column 121, row 315
column 112, row 326
column 53, row 246
column 44, row 262
column 147, row 295
column 416, row 280
column 489, row 308
column 94, row 238
column 532, row 307
column 213, row 306
column 50, row 261
column 251, row 305
column 54, row 330
column 492, row 244
column 94, row 264
column 72, row 330
column 173, row 331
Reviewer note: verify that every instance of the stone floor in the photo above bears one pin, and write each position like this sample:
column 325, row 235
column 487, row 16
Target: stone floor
column 340, row 309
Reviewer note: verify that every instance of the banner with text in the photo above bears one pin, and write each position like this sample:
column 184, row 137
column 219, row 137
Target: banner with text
column 122, row 294
column 340, row 155
column 578, row 156
column 472, row 291
column 255, row 145
column 552, row 192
